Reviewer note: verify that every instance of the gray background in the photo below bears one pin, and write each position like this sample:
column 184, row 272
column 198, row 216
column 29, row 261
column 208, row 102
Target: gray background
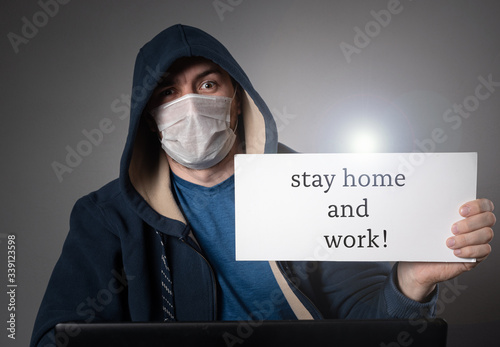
column 66, row 77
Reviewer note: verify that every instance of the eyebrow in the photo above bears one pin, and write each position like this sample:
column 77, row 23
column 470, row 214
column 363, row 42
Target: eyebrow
column 166, row 81
column 209, row 72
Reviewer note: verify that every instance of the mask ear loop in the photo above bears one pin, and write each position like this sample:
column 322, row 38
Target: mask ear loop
column 232, row 99
column 236, row 126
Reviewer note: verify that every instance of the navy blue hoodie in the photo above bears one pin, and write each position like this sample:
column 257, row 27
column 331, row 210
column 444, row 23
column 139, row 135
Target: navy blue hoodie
column 130, row 236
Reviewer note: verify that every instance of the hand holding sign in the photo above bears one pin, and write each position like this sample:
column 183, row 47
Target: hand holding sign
column 473, row 234
column 365, row 207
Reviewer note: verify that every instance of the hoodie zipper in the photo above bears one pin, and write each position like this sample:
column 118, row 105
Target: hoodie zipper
column 214, row 281
column 280, row 267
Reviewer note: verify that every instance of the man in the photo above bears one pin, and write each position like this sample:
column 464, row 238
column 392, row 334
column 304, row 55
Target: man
column 158, row 243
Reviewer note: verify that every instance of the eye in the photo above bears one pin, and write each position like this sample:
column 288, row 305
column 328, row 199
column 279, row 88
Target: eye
column 208, row 85
column 162, row 95
column 166, row 92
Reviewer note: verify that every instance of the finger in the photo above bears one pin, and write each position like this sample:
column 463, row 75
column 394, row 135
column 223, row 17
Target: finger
column 478, row 237
column 474, row 222
column 480, row 252
column 475, row 207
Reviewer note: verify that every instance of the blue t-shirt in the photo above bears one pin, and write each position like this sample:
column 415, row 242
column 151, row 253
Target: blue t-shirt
column 248, row 289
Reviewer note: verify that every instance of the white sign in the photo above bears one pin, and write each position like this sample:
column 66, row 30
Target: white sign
column 350, row 207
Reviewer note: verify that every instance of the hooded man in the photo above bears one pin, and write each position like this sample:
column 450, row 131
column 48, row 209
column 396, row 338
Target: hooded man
column 157, row 244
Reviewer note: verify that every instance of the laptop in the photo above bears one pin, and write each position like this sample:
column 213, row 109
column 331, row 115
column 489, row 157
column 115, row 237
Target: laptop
column 380, row 333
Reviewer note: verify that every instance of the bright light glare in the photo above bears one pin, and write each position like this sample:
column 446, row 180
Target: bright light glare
column 365, row 141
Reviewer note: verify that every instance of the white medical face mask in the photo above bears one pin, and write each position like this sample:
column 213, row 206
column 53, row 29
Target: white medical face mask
column 196, row 129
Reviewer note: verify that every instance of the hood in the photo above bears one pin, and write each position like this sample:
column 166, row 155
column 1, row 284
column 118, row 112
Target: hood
column 144, row 172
